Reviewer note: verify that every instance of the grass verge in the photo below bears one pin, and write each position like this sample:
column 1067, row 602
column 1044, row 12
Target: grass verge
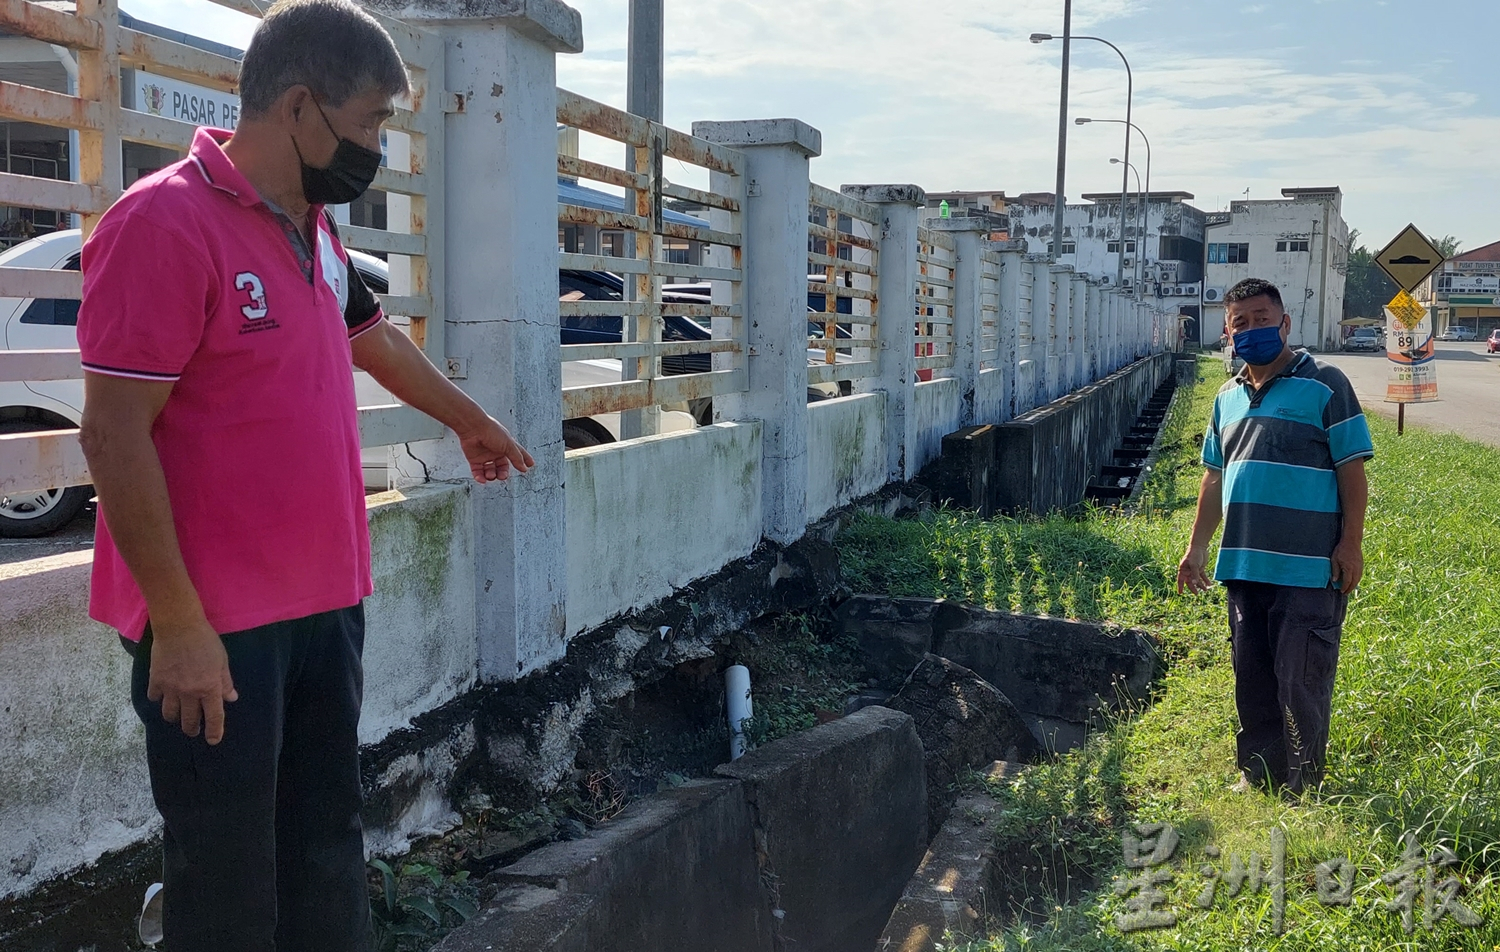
column 1415, row 740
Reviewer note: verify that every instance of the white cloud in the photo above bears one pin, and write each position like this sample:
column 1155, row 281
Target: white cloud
column 955, row 97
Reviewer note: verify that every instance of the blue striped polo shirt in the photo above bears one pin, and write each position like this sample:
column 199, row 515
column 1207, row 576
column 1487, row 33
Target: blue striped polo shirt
column 1278, row 449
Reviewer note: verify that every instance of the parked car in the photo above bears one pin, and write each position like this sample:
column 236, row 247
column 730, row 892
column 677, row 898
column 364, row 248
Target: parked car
column 30, row 406
column 574, row 285
column 1457, row 333
column 1364, row 339
column 1492, row 344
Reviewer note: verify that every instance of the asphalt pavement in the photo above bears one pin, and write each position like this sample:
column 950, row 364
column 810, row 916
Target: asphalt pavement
column 1468, row 389
column 74, row 537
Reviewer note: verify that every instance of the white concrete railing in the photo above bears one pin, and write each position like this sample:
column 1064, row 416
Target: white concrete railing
column 843, row 265
column 47, row 459
column 989, row 311
column 643, row 385
column 936, row 260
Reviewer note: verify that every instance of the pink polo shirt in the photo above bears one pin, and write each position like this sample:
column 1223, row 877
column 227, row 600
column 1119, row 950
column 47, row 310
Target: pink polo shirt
column 191, row 278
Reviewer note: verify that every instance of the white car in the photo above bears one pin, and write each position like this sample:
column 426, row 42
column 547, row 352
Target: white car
column 51, row 324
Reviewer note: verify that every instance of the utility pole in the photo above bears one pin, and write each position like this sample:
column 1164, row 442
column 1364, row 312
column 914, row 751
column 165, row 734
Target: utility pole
column 1062, row 134
column 643, row 80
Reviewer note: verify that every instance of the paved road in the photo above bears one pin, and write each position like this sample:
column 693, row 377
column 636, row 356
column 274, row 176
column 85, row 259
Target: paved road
column 74, row 537
column 1468, row 388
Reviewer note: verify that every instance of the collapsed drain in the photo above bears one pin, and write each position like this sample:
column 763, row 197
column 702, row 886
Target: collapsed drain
column 1116, row 480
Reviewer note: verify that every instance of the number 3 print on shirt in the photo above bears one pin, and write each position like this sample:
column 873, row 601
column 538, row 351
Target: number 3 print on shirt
column 256, row 309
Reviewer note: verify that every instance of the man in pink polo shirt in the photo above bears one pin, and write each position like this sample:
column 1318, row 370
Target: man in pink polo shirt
column 219, row 323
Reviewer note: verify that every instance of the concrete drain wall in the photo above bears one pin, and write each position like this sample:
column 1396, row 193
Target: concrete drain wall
column 810, row 843
column 1059, row 674
column 806, row 843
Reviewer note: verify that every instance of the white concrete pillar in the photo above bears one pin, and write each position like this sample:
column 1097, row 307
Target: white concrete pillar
column 774, row 296
column 1107, row 330
column 1094, row 345
column 1059, row 331
column 968, row 237
column 1078, row 331
column 1041, row 332
column 1008, row 329
column 1142, row 330
column 499, row 211
column 900, row 207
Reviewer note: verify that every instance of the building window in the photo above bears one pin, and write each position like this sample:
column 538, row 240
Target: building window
column 1228, row 253
column 1291, row 245
column 1114, row 248
column 1069, row 247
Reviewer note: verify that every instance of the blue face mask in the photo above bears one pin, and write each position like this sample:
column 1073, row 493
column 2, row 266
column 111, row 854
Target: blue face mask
column 1259, row 346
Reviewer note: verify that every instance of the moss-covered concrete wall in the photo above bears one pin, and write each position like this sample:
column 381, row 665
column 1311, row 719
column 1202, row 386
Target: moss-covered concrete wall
column 845, row 451
column 73, row 781
column 649, row 516
column 938, row 405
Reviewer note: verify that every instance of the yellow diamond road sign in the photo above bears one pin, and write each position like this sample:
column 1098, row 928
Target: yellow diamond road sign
column 1409, row 258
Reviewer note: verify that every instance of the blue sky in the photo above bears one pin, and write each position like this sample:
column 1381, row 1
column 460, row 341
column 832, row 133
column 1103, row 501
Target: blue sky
column 1394, row 102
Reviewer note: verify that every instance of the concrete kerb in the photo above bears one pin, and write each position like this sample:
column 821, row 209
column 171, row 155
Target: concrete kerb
column 528, row 917
column 955, row 890
column 840, row 824
column 794, row 846
column 674, row 871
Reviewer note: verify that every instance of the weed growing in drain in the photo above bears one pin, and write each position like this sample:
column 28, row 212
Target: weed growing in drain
column 418, row 904
column 803, row 672
column 1414, row 741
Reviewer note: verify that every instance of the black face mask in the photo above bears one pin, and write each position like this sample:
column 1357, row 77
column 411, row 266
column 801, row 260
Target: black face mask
column 347, row 175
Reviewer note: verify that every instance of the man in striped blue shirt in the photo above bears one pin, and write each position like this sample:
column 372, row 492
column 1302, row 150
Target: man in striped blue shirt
column 1285, row 458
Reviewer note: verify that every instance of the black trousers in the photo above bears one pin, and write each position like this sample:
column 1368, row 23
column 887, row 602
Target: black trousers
column 1286, row 650
column 263, row 846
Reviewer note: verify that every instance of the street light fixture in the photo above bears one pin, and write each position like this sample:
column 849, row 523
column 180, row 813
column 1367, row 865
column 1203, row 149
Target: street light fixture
column 1146, row 199
column 1129, row 100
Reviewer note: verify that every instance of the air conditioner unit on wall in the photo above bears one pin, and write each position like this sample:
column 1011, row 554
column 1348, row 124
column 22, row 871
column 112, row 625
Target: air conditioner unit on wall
column 1213, row 295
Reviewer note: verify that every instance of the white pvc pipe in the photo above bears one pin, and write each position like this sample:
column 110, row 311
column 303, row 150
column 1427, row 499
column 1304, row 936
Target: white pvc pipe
column 737, row 690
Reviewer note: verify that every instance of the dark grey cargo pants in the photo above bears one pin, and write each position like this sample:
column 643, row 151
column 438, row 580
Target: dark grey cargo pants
column 1286, row 649
column 263, row 845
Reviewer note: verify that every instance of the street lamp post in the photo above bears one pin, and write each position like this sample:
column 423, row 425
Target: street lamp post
column 1146, row 200
column 1136, row 275
column 1129, row 99
column 1058, row 206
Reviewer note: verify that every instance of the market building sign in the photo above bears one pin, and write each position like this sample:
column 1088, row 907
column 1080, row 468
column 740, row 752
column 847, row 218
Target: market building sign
column 174, row 99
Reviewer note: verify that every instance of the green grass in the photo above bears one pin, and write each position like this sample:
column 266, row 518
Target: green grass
column 1416, row 719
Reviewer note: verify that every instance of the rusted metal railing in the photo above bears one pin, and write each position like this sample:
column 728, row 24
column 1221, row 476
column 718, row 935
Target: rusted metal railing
column 937, row 256
column 412, row 180
column 843, row 268
column 642, row 384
